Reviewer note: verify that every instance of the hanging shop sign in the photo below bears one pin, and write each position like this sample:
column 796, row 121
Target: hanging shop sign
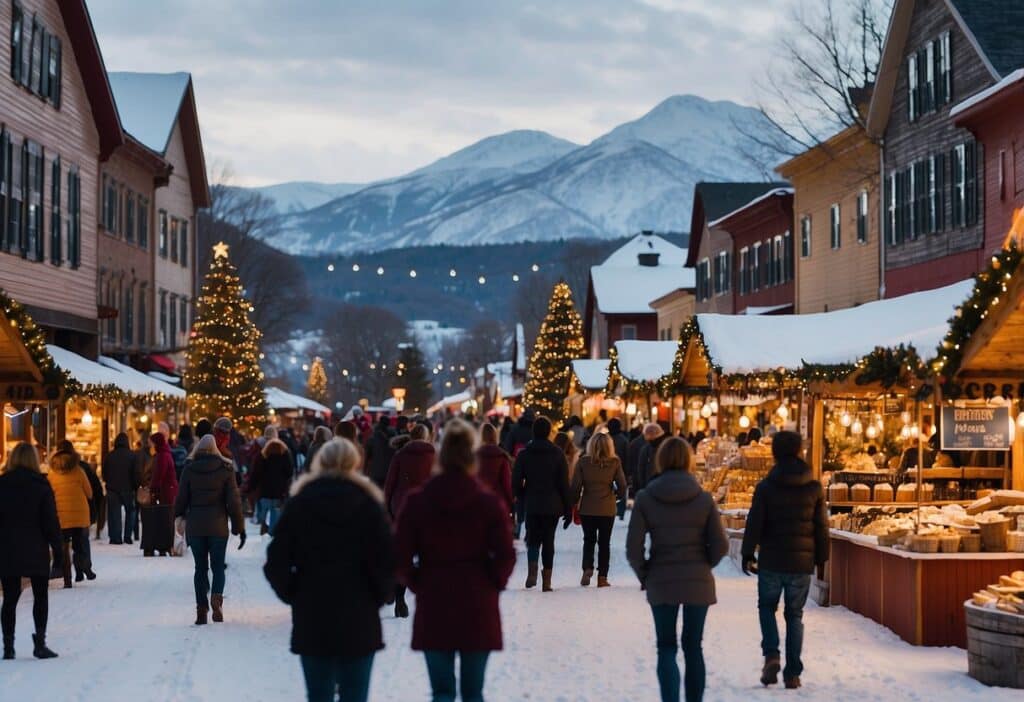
column 976, row 428
column 30, row 392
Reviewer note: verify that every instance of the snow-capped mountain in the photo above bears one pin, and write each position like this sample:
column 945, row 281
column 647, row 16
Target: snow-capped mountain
column 531, row 186
column 301, row 195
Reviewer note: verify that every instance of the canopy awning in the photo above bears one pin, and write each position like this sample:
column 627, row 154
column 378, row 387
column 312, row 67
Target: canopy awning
column 163, row 362
column 591, row 373
column 450, row 401
column 645, row 361
column 278, row 399
column 142, row 384
column 90, row 374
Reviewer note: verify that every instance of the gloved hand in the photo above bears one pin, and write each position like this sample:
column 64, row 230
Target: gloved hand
column 566, row 521
column 241, row 540
column 749, row 566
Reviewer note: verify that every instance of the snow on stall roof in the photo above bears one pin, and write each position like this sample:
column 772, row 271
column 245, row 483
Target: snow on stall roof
column 750, row 344
column 645, row 360
column 279, row 399
column 765, row 310
column 140, row 382
column 1015, row 77
column 148, row 104
column 624, row 290
column 591, row 372
column 172, row 379
column 456, row 399
column 88, row 372
column 500, row 375
column 759, row 198
column 626, row 255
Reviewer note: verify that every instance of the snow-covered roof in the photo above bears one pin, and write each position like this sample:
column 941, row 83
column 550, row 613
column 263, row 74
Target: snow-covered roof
column 626, row 255
column 592, row 373
column 501, row 376
column 172, row 379
column 978, row 98
column 759, row 198
column 645, row 361
column 765, row 310
column 278, row 399
column 88, row 373
column 139, row 382
column 630, row 290
column 456, row 399
column 753, row 344
column 148, row 104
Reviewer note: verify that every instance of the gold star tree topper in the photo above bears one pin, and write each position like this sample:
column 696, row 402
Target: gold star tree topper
column 220, row 250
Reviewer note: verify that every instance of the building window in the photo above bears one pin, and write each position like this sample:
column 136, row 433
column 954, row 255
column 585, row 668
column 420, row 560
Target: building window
column 74, row 218
column 744, row 281
column 128, row 326
column 913, row 88
column 5, row 179
column 722, row 273
column 55, row 217
column 16, row 195
column 183, row 259
column 805, row 236
column 35, row 56
column 183, row 317
column 129, row 216
column 163, row 319
column 928, row 102
column 142, row 213
column 143, row 340
column 17, row 40
column 162, row 243
column 944, row 60
column 835, row 231
column 890, row 204
column 32, row 245
column 704, row 280
column 110, row 328
column 755, row 266
column 964, row 184
column 110, row 204
column 174, row 239
column 628, row 332
column 787, row 256
column 172, row 325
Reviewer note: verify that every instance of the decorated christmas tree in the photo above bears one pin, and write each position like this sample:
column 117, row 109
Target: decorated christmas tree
column 412, row 375
column 223, row 376
column 316, row 384
column 559, row 342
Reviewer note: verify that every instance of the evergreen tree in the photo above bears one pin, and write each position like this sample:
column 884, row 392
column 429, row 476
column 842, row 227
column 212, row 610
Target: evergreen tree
column 223, row 375
column 412, row 374
column 316, row 384
column 559, row 343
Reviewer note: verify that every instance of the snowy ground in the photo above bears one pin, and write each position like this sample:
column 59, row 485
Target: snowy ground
column 129, row 635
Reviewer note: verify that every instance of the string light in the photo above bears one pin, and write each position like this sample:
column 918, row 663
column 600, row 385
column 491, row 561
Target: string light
column 515, row 277
column 452, row 273
column 412, row 273
column 355, row 267
column 330, row 267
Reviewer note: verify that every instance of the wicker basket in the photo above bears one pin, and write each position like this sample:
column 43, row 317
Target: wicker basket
column 889, row 540
column 993, row 535
column 949, row 544
column 970, row 543
column 760, row 464
column 1015, row 541
column 924, row 544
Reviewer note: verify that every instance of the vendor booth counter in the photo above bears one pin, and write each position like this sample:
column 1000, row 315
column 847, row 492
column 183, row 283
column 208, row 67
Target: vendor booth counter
column 919, row 596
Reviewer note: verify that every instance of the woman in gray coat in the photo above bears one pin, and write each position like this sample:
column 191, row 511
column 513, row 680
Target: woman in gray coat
column 687, row 541
column 207, row 499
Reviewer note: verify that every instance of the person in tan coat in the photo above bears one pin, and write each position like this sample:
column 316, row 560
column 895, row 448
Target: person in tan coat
column 72, row 492
column 596, row 485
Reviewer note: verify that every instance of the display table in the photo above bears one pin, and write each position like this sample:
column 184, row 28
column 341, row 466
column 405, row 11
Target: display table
column 919, row 596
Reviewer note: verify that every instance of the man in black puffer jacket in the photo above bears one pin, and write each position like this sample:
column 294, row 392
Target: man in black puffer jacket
column 789, row 522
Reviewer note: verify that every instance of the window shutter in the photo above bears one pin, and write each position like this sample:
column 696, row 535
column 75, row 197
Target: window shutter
column 17, row 41
column 56, row 70
column 44, row 64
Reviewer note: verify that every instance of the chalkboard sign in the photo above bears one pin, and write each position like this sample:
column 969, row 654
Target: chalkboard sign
column 976, row 428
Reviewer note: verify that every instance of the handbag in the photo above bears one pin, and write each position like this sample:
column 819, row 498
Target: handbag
column 143, row 496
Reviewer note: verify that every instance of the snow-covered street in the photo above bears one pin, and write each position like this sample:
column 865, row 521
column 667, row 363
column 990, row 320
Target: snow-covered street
column 129, row 635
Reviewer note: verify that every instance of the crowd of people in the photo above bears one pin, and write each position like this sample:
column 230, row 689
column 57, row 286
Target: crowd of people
column 363, row 513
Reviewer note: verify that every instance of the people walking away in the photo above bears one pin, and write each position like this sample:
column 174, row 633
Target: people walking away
column 379, row 452
column 565, row 443
column 29, row 532
column 222, row 433
column 269, row 482
column 333, row 562
column 179, row 454
column 122, row 475
column 321, row 435
column 506, row 428
column 158, row 517
column 597, row 485
column 687, row 540
column 494, row 466
column 454, row 546
column 203, row 427
column 636, row 446
column 72, row 493
column 788, row 528
column 98, row 502
column 541, row 478
column 207, row 500
column 573, row 426
column 410, row 468
column 645, row 466
column 620, row 442
column 186, row 439
column 520, row 435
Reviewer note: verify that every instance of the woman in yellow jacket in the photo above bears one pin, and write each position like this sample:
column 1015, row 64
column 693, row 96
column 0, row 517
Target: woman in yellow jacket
column 72, row 492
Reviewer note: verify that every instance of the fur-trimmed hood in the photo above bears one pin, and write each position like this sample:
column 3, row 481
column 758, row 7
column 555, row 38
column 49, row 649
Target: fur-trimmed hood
column 274, row 447
column 355, row 478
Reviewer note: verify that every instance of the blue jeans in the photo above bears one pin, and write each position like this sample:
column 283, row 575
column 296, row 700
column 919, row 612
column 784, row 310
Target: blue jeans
column 208, row 553
column 349, row 676
column 793, row 588
column 268, row 509
column 441, row 669
column 120, row 532
column 665, row 617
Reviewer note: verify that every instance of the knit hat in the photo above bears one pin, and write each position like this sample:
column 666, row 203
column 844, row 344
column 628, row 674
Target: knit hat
column 653, row 431
column 222, row 424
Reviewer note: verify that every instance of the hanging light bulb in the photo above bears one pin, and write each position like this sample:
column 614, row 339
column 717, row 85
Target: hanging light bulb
column 905, row 432
column 380, row 270
column 857, row 427
column 905, row 416
column 1020, row 420
column 744, row 421
column 845, row 419
column 705, row 411
column 355, row 267
column 871, row 432
column 87, row 419
column 330, row 267
column 714, row 406
column 452, row 273
column 783, row 411
column 914, row 432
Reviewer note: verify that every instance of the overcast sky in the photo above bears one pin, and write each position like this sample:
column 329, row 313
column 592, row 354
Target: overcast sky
column 356, row 90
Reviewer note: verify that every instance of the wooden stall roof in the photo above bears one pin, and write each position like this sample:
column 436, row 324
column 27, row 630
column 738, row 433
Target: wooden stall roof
column 696, row 368
column 16, row 364
column 996, row 349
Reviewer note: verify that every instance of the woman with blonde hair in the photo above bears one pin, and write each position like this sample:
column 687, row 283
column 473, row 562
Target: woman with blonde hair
column 207, row 498
column 332, row 560
column 29, row 532
column 592, row 489
column 687, row 541
column 455, row 552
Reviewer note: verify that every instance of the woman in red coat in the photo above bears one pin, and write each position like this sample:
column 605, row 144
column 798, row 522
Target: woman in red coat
column 494, row 466
column 410, row 468
column 454, row 545
column 158, row 518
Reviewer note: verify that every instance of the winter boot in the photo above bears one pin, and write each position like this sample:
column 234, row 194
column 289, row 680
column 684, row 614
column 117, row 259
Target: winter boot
column 602, row 581
column 588, row 573
column 8, row 648
column 40, row 650
column 545, row 576
column 79, row 576
column 531, row 574
column 201, row 615
column 793, row 683
column 770, row 672
column 217, row 603
column 90, row 573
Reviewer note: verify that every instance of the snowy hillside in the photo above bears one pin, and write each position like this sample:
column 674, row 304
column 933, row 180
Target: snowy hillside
column 301, row 195
column 531, row 186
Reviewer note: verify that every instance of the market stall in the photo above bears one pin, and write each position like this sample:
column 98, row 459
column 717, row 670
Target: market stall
column 587, row 395
column 636, row 374
column 293, row 411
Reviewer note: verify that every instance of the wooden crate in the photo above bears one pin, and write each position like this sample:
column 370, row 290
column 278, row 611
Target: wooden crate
column 995, row 646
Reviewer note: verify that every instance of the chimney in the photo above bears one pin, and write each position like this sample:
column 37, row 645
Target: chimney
column 647, row 232
column 648, row 259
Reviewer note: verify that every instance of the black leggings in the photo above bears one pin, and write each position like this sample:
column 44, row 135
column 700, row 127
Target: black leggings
column 597, row 531
column 540, row 538
column 12, row 593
